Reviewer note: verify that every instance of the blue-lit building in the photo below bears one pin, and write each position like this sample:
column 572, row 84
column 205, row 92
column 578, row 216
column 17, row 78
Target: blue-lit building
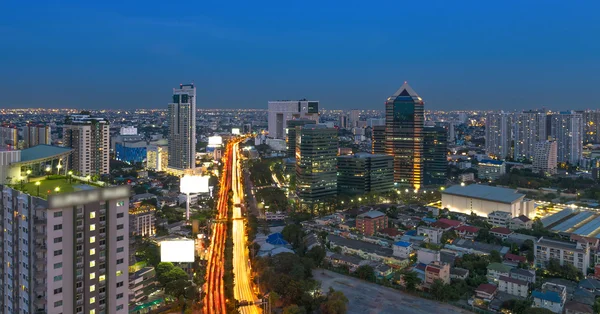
column 125, row 152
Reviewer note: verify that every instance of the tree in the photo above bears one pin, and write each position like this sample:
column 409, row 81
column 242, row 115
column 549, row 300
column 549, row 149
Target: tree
column 411, row 280
column 537, row 310
column 495, row 257
column 161, row 272
column 336, row 303
column 293, row 234
column 530, row 256
column 437, row 290
column 448, row 236
column 293, row 309
column 365, row 272
column 317, row 254
column 516, row 306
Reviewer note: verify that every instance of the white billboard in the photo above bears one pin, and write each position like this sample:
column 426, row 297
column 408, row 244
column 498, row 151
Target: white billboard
column 194, row 184
column 235, row 131
column 215, row 141
column 177, row 251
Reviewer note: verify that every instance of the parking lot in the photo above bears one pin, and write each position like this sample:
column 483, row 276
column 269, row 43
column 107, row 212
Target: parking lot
column 366, row 297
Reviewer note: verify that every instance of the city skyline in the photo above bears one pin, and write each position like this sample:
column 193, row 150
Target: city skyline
column 483, row 53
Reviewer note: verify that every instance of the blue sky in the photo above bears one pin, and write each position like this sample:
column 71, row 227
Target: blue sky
column 352, row 54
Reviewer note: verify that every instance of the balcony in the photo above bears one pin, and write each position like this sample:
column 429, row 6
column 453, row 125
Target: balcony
column 79, row 290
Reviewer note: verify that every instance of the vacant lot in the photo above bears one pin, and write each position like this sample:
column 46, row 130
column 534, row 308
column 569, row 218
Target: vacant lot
column 366, row 297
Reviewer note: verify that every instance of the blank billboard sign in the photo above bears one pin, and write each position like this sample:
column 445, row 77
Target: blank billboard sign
column 235, row 131
column 194, row 184
column 177, row 251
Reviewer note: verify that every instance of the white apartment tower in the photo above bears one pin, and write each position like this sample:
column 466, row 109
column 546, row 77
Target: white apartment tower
column 530, row 128
column 566, row 127
column 498, row 134
column 545, row 157
column 281, row 111
column 182, row 128
column 67, row 254
column 90, row 139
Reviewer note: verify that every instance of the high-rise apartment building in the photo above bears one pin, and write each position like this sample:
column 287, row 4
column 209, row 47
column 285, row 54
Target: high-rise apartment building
column 282, row 111
column 157, row 158
column 404, row 120
column 353, row 118
column 591, row 126
column 316, row 163
column 545, row 157
column 182, row 128
column 498, row 134
column 343, row 123
column 378, row 139
column 363, row 173
column 67, row 254
column 290, row 134
column 9, row 136
column 529, row 129
column 435, row 161
column 90, row 139
column 566, row 127
column 35, row 134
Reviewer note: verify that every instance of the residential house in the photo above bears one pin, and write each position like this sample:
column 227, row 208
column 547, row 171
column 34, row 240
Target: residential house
column 392, row 233
column 513, row 286
column 486, row 292
column 521, row 222
column 590, row 284
column 437, row 271
column 352, row 262
column 459, row 273
column 501, row 232
column 427, row 256
column 434, row 234
column 365, row 250
column 381, row 270
column 310, row 241
column 577, row 254
column 499, row 218
column 467, row 232
column 402, row 249
column 450, row 222
column 465, row 246
column 495, row 270
column 513, row 260
column 572, row 307
column 589, row 242
column 523, row 274
column 551, row 297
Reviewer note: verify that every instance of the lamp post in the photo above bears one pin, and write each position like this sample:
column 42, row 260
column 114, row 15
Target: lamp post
column 57, row 189
column 88, row 177
column 58, row 169
column 70, row 176
column 48, row 169
column 21, row 179
column 37, row 183
column 28, row 172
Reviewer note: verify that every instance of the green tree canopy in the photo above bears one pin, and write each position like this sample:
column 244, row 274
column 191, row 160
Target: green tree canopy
column 336, row 303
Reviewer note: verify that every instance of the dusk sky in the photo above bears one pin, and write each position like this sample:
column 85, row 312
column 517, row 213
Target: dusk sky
column 507, row 55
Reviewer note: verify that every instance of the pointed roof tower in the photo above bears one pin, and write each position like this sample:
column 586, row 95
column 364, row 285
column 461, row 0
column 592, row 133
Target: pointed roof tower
column 405, row 90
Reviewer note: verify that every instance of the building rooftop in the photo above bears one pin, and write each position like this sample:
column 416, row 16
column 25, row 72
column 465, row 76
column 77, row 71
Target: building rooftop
column 469, row 229
column 403, row 244
column 513, row 280
column 491, row 162
column 559, row 244
column 360, row 245
column 501, row 230
column 552, row 219
column 499, row 267
column 547, row 295
column 459, row 271
column 371, row 214
column 487, row 288
column 41, row 152
column 485, row 192
column 571, row 222
column 450, row 222
column 479, row 246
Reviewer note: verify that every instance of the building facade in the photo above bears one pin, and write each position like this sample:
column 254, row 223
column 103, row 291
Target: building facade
column 67, row 254
column 437, row 271
column 35, row 134
column 363, row 173
column 157, row 158
column 142, row 220
column 316, row 164
column 370, row 222
column 182, row 128
column 498, row 134
column 513, row 286
column 591, row 126
column 290, row 134
column 378, row 139
column 530, row 128
column 566, row 127
column 404, row 121
column 574, row 253
column 89, row 137
column 545, row 157
column 435, row 162
column 9, row 137
column 282, row 111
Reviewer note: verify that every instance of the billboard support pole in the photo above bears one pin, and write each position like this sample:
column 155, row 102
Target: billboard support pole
column 187, row 207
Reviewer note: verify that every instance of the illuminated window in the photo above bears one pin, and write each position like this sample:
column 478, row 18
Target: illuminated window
column 92, row 239
column 119, row 273
column 92, row 276
column 92, row 311
column 92, row 288
column 92, row 215
column 92, row 300
column 92, row 251
column 92, row 227
column 102, row 278
column 92, row 263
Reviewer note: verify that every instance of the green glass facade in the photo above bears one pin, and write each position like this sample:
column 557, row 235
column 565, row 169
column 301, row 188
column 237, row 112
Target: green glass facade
column 435, row 162
column 365, row 173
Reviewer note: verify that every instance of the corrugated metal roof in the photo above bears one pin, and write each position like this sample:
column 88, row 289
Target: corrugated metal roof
column 485, row 192
column 571, row 222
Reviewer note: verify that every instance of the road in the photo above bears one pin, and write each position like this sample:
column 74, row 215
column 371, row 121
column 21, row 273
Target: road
column 366, row 297
column 243, row 284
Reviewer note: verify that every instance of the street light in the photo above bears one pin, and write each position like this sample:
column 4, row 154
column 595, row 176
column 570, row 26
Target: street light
column 48, row 169
column 58, row 168
column 37, row 183
column 88, row 177
column 70, row 176
column 57, row 189
column 21, row 179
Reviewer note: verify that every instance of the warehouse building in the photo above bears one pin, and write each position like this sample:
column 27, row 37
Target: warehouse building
column 483, row 200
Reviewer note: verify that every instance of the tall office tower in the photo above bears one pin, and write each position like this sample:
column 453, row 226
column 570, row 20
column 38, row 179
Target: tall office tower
column 378, row 139
column 353, row 118
column 404, row 135
column 566, row 127
column 90, row 139
column 281, row 111
column 316, row 164
column 530, row 128
column 182, row 128
column 67, row 254
column 35, row 134
column 591, row 126
column 363, row 173
column 290, row 135
column 343, row 123
column 372, row 122
column 498, row 134
column 545, row 157
column 435, row 161
column 9, row 136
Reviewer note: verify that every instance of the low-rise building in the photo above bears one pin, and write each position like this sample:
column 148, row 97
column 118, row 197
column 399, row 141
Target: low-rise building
column 142, row 220
column 352, row 262
column 576, row 254
column 141, row 284
column 459, row 273
column 365, row 250
column 513, row 286
column 437, row 271
column 427, row 256
column 551, row 297
column 467, row 232
column 402, row 249
column 572, row 307
column 465, row 246
column 499, row 218
column 489, row 169
column 432, row 233
column 486, row 292
column 523, row 274
column 501, row 232
column 521, row 222
column 513, row 260
column 496, row 270
column 370, row 222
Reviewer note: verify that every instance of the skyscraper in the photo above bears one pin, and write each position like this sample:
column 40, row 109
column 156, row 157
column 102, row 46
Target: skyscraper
column 498, row 134
column 90, row 139
column 316, row 163
column 404, row 135
column 364, row 173
column 35, row 134
column 435, row 161
column 378, row 139
column 290, row 136
column 9, row 136
column 182, row 128
column 566, row 127
column 591, row 126
column 353, row 117
column 545, row 157
column 530, row 128
column 67, row 254
column 281, row 111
